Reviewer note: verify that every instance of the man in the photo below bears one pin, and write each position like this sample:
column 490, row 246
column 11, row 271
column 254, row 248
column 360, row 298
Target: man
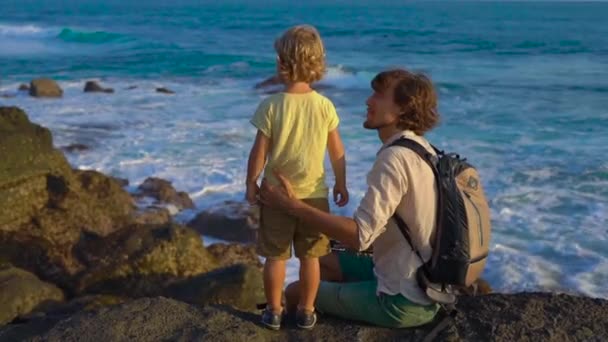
column 381, row 290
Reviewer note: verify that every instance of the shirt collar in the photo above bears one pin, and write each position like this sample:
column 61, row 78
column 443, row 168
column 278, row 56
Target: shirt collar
column 394, row 137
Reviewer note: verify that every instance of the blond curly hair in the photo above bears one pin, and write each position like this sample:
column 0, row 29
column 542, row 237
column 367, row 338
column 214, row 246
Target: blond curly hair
column 301, row 55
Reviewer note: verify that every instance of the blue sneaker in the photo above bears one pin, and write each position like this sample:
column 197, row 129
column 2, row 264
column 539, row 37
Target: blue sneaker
column 306, row 319
column 271, row 320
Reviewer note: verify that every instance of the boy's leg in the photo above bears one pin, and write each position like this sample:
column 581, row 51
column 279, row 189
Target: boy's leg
column 275, row 236
column 309, row 282
column 274, row 278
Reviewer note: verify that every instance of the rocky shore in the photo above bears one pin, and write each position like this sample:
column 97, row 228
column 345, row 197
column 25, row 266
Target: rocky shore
column 80, row 261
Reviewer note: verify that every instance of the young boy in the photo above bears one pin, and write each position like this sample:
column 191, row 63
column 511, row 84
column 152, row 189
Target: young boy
column 295, row 127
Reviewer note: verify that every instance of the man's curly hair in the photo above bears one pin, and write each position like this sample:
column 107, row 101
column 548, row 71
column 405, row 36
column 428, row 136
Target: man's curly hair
column 414, row 94
column 301, row 55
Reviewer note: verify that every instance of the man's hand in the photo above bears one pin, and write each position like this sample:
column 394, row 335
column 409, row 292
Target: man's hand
column 340, row 195
column 281, row 196
column 253, row 190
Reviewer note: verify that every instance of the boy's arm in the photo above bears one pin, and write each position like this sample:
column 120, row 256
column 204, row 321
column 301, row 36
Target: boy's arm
column 335, row 148
column 257, row 158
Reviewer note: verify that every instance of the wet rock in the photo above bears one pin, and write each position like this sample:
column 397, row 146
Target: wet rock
column 234, row 253
column 163, row 192
column 45, row 87
column 229, row 221
column 21, row 292
column 94, row 87
column 23, row 87
column 164, row 91
column 72, row 148
column 142, row 261
column 269, row 82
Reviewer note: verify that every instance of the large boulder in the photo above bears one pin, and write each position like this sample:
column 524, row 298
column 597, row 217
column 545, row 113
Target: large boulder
column 142, row 261
column 239, row 285
column 28, row 160
column 94, row 87
column 21, row 292
column 45, row 207
column 164, row 193
column 45, row 87
column 229, row 221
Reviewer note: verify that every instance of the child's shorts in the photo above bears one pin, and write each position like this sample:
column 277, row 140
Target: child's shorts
column 278, row 230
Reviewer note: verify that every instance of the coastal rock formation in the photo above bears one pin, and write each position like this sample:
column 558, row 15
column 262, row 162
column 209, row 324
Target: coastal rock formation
column 230, row 221
column 163, row 192
column 21, row 292
column 71, row 148
column 45, row 87
column 142, row 261
column 94, row 87
column 240, row 286
column 164, row 90
column 496, row 317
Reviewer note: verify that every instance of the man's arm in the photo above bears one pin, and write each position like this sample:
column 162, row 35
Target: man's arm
column 341, row 228
column 387, row 184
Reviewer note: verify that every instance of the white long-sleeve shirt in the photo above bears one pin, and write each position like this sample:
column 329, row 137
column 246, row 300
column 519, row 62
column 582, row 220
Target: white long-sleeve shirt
column 399, row 181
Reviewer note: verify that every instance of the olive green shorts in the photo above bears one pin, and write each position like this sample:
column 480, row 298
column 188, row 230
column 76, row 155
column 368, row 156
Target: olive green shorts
column 279, row 230
column 356, row 298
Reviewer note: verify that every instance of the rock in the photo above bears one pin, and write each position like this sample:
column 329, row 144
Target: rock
column 235, row 253
column 131, row 87
column 24, row 87
column 71, row 148
column 142, row 261
column 45, row 207
column 28, row 158
column 270, row 81
column 164, row 91
column 94, row 87
column 21, row 292
column 496, row 317
column 44, row 87
column 157, row 319
column 239, row 285
column 163, row 192
column 153, row 216
column 230, row 221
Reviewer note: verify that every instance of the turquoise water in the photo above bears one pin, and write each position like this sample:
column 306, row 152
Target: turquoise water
column 523, row 88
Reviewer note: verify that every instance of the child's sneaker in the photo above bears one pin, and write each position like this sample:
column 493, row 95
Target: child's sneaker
column 271, row 320
column 306, row 319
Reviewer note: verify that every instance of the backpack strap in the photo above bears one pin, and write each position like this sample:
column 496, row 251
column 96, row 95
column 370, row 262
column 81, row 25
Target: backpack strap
column 423, row 153
column 420, row 151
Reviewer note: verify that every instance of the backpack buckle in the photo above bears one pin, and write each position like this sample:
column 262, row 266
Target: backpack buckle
column 439, row 293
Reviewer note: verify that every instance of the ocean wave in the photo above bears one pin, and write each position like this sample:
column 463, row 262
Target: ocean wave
column 90, row 37
column 27, row 31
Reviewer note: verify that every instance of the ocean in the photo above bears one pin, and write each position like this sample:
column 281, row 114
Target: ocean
column 523, row 96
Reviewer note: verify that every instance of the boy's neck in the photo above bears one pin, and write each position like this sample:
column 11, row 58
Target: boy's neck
column 298, row 88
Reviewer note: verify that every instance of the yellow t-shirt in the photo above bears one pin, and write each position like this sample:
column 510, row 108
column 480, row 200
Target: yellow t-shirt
column 297, row 125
